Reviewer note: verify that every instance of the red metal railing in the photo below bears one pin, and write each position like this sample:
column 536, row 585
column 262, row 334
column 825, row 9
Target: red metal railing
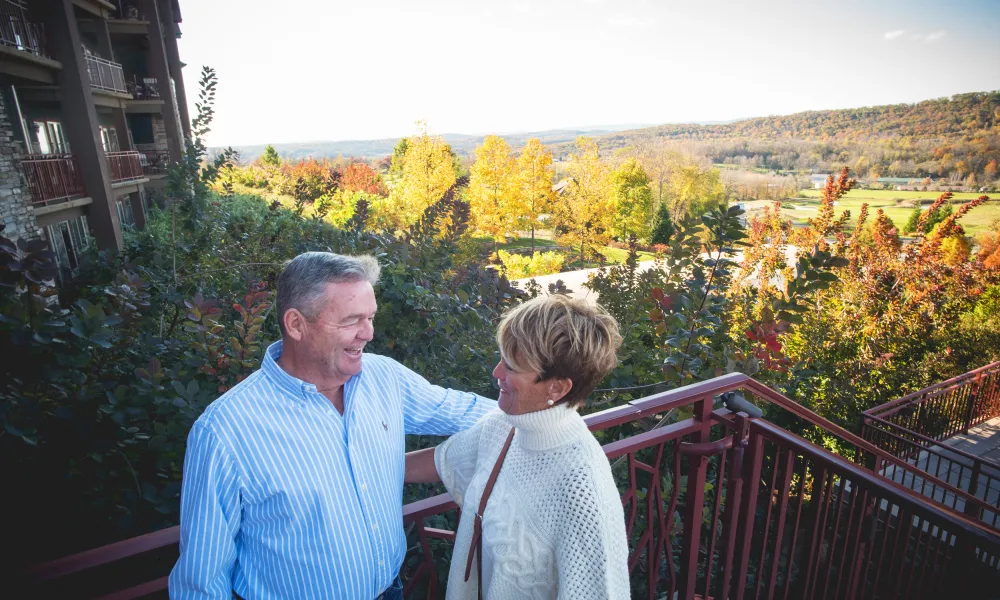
column 723, row 506
column 125, row 166
column 52, row 177
column 106, row 75
column 16, row 31
column 911, row 428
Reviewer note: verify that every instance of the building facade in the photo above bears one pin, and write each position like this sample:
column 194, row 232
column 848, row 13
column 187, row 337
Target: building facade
column 92, row 111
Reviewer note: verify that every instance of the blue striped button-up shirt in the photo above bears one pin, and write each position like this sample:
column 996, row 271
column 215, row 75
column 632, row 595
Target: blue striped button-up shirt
column 284, row 497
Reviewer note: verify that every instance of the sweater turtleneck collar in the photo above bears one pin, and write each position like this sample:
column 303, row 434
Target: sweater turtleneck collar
column 547, row 428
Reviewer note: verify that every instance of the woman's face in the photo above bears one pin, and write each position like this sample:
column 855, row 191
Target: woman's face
column 521, row 392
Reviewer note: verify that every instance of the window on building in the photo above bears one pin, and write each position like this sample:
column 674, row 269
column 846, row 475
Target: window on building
column 109, row 139
column 50, row 138
column 125, row 215
column 67, row 239
column 142, row 129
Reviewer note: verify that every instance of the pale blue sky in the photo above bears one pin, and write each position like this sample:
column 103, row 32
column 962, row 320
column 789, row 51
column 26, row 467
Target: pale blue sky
column 307, row 70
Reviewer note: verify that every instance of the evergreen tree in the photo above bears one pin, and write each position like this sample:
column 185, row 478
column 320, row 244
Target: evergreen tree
column 913, row 221
column 663, row 227
column 270, row 157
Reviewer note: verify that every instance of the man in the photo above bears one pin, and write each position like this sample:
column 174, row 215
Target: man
column 293, row 479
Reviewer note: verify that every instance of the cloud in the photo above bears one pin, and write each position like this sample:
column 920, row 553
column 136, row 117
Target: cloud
column 915, row 37
column 631, row 22
column 527, row 9
column 595, row 2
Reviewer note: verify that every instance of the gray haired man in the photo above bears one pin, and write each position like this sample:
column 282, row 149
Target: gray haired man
column 293, row 479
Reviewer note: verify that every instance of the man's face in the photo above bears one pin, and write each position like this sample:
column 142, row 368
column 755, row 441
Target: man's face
column 343, row 324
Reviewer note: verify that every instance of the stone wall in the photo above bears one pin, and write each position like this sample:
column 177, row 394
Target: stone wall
column 15, row 212
column 159, row 136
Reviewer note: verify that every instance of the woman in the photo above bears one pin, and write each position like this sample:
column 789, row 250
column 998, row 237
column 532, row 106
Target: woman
column 553, row 525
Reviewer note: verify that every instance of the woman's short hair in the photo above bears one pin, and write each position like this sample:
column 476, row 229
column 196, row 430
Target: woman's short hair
column 561, row 337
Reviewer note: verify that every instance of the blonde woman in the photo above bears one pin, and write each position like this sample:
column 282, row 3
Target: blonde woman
column 551, row 524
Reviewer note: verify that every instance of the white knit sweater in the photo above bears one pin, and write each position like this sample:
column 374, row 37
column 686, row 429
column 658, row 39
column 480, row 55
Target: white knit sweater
column 553, row 526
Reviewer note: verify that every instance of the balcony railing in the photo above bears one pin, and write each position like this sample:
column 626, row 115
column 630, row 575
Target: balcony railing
column 155, row 162
column 125, row 166
column 912, row 427
column 144, row 88
column 52, row 177
column 16, row 31
column 719, row 505
column 106, row 75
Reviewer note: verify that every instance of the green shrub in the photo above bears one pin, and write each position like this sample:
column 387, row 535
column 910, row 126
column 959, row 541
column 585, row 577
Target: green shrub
column 519, row 266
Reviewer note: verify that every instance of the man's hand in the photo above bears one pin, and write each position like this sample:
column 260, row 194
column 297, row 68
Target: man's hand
column 420, row 467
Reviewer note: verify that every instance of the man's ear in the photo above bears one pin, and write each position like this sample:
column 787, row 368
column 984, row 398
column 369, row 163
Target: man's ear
column 559, row 387
column 295, row 324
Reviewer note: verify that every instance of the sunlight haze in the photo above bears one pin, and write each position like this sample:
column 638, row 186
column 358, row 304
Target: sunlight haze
column 311, row 70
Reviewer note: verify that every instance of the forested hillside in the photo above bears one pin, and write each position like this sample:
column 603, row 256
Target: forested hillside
column 951, row 137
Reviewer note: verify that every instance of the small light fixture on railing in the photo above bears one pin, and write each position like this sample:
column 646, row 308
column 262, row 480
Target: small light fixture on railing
column 735, row 402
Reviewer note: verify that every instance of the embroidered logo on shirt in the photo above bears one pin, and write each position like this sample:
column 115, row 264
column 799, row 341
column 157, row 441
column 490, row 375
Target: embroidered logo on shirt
column 384, row 426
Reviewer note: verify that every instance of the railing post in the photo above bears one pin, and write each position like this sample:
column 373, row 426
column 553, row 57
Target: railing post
column 973, row 510
column 971, row 410
column 693, row 503
column 734, row 493
column 748, row 511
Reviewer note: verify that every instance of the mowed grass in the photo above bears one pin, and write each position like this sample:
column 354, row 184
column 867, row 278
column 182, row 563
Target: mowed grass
column 896, row 205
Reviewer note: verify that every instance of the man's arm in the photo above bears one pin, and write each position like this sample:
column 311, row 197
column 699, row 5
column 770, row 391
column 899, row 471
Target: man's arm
column 433, row 410
column 210, row 520
column 420, row 467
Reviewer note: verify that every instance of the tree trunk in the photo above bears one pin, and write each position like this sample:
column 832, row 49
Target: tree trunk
column 532, row 240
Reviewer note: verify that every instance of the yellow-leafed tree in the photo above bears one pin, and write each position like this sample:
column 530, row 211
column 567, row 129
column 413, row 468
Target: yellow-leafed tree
column 428, row 173
column 535, row 173
column 632, row 201
column 584, row 210
column 494, row 195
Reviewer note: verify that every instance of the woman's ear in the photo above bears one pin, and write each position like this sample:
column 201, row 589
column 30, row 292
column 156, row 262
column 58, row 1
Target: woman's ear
column 559, row 387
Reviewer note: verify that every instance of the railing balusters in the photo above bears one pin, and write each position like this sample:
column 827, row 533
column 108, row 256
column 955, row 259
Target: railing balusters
column 851, row 535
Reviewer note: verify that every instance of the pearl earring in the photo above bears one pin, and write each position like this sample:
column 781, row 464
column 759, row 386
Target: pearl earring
column 551, row 402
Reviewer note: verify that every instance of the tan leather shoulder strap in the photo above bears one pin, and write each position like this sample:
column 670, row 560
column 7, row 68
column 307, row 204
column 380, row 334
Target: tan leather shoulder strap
column 476, row 547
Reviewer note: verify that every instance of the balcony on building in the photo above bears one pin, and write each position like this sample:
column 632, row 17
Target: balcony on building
column 105, row 75
column 17, row 31
column 55, row 179
column 23, row 46
column 125, row 167
column 155, row 162
column 52, row 178
column 128, row 19
column 145, row 92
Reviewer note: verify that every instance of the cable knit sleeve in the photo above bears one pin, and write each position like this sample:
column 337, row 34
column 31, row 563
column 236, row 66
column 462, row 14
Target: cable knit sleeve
column 455, row 460
column 592, row 550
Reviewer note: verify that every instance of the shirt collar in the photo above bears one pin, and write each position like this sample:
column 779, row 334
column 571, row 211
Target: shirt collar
column 292, row 385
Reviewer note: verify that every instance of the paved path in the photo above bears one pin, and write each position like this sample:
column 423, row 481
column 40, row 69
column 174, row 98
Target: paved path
column 576, row 280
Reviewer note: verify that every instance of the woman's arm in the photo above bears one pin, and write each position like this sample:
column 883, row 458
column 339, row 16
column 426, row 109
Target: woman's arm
column 420, row 467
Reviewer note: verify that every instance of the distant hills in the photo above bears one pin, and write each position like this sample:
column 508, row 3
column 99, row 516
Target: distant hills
column 462, row 143
column 958, row 116
column 948, row 137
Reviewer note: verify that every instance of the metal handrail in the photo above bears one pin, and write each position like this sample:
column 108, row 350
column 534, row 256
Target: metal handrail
column 699, row 394
column 16, row 31
column 51, row 177
column 106, row 75
column 125, row 166
column 931, row 391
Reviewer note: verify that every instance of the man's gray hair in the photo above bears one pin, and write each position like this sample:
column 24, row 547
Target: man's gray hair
column 305, row 277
